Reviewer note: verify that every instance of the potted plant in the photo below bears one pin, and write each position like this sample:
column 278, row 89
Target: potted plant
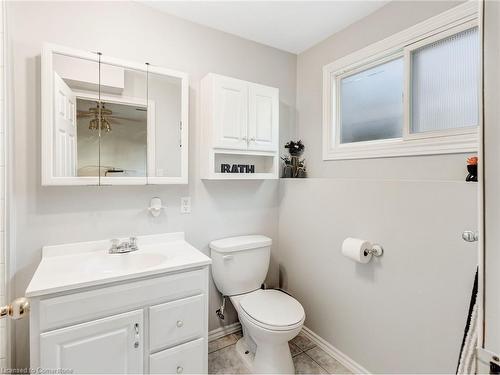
column 294, row 167
column 295, row 148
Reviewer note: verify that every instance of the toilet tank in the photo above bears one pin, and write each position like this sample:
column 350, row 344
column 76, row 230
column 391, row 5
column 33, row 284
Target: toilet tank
column 240, row 264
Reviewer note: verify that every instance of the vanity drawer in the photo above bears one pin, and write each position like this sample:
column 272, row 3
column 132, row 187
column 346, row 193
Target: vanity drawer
column 84, row 306
column 187, row 358
column 175, row 322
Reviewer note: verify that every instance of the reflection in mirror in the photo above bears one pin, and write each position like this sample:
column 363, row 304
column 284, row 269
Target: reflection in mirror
column 124, row 123
column 165, row 107
column 123, row 138
column 108, row 121
column 72, row 77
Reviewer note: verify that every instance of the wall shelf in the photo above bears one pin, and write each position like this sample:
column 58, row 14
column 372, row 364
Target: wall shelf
column 266, row 167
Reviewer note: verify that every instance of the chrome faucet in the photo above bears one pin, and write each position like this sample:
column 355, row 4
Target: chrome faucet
column 123, row 247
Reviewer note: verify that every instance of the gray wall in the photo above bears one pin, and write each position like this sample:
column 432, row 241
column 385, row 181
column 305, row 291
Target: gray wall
column 52, row 215
column 405, row 312
column 390, row 19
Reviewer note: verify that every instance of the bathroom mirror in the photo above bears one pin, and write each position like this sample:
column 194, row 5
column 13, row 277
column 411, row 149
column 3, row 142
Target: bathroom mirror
column 107, row 121
column 70, row 77
column 166, row 135
column 124, row 126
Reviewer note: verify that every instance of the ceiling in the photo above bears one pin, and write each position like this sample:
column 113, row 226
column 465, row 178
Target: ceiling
column 292, row 26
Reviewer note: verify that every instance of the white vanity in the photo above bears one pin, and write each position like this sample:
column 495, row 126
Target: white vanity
column 140, row 312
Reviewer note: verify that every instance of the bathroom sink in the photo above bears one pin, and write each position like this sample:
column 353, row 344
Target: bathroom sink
column 84, row 264
column 112, row 263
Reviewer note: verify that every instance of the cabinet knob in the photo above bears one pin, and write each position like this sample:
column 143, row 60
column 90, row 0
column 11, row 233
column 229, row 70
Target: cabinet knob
column 179, row 369
column 180, row 323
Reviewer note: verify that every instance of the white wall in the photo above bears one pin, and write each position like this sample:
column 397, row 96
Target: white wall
column 127, row 30
column 405, row 312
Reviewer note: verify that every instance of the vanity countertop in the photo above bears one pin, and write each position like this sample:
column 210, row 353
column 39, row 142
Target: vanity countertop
column 86, row 264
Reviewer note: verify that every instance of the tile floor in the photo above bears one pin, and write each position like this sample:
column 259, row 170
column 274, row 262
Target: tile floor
column 307, row 357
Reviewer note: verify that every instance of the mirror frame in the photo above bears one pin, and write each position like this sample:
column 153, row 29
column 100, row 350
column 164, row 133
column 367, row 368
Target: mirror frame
column 47, row 112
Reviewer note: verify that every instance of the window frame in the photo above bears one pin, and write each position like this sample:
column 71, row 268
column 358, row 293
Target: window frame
column 401, row 45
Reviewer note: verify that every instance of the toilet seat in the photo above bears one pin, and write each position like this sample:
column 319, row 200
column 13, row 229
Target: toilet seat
column 272, row 309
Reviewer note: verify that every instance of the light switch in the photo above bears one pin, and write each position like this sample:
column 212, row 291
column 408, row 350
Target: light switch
column 186, row 205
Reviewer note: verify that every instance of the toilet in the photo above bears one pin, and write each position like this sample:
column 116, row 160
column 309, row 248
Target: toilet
column 269, row 318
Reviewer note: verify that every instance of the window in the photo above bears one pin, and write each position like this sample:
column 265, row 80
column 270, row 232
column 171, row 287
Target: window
column 416, row 93
column 444, row 83
column 371, row 105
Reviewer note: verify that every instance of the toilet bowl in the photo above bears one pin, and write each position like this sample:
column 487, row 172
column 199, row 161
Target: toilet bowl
column 269, row 318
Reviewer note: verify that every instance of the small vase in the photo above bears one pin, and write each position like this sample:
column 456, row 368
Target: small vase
column 472, row 176
column 287, row 171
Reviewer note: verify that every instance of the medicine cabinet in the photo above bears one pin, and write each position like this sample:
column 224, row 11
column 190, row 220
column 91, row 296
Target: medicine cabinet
column 107, row 121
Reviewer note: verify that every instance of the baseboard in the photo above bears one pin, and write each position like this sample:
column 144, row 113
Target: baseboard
column 349, row 363
column 223, row 331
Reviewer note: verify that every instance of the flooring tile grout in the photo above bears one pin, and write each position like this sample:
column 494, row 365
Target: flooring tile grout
column 216, row 350
column 324, row 369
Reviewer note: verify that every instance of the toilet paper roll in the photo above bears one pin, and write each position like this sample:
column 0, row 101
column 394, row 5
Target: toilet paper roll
column 357, row 249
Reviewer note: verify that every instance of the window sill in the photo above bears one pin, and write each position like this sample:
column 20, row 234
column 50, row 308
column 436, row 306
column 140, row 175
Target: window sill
column 398, row 147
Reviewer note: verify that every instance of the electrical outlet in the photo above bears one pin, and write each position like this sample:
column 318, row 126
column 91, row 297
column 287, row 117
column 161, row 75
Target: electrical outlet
column 186, row 205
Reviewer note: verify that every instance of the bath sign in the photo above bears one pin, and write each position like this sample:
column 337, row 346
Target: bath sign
column 237, row 168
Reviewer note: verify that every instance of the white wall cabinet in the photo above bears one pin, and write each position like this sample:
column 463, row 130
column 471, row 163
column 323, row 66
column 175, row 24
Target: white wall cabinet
column 240, row 126
column 156, row 325
column 263, row 118
column 230, row 113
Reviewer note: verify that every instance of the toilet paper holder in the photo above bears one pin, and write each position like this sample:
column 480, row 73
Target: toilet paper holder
column 376, row 250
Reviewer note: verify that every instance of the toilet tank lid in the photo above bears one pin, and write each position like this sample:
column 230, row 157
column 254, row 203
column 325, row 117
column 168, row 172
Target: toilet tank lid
column 230, row 244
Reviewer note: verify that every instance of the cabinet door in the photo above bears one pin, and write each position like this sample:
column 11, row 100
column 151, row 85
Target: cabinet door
column 263, row 124
column 109, row 345
column 230, row 113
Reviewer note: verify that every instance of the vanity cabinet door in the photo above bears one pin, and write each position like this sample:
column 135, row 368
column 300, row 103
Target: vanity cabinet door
column 109, row 345
column 263, row 124
column 230, row 113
